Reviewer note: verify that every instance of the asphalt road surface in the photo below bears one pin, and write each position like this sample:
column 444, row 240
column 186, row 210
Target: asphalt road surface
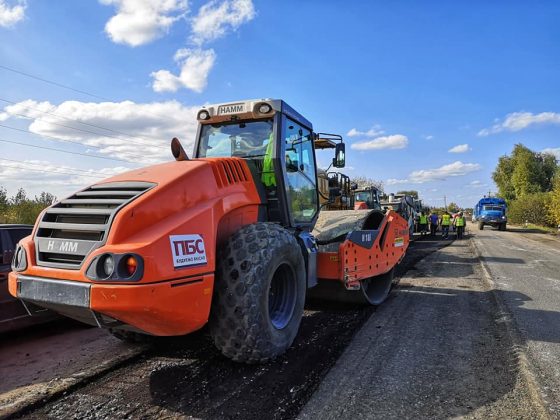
column 444, row 345
column 525, row 267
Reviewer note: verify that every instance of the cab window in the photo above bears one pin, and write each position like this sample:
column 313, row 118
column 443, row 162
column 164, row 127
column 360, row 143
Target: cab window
column 300, row 171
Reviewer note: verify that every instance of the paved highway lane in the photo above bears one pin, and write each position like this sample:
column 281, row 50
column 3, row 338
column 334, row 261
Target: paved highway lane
column 525, row 268
column 439, row 350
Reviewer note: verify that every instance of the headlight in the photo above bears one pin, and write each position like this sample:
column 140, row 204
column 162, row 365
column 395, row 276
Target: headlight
column 203, row 115
column 19, row 261
column 116, row 267
column 503, row 217
column 107, row 266
column 265, row 108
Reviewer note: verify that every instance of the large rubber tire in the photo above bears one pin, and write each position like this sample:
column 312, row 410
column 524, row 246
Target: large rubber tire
column 259, row 293
column 480, row 226
column 503, row 227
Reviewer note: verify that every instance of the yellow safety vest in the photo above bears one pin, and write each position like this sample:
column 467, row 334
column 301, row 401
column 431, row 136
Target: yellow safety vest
column 460, row 221
column 445, row 220
column 268, row 178
column 423, row 220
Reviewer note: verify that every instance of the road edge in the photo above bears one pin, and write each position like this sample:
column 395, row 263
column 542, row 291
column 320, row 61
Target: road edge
column 524, row 365
column 56, row 388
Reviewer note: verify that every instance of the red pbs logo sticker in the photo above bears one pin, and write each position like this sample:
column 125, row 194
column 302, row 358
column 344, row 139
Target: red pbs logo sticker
column 187, row 250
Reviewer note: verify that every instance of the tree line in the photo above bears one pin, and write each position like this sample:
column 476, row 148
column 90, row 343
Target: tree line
column 530, row 183
column 20, row 208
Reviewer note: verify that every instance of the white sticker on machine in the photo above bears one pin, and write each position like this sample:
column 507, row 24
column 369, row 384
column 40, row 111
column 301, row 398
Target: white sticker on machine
column 187, row 250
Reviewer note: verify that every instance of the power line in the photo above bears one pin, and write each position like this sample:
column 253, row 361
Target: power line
column 68, row 87
column 53, row 83
column 91, row 132
column 61, row 140
column 62, row 151
column 86, row 173
column 70, row 119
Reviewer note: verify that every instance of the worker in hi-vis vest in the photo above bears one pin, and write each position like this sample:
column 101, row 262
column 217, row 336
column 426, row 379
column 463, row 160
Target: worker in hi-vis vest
column 459, row 222
column 445, row 223
column 423, row 224
column 268, row 178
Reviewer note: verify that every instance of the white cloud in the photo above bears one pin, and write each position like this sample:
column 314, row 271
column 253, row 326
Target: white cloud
column 460, row 148
column 139, row 22
column 517, row 121
column 137, row 132
column 394, row 181
column 428, row 137
column 553, row 150
column 195, row 67
column 397, row 141
column 10, row 15
column 215, row 19
column 372, row 132
column 36, row 176
column 438, row 174
column 477, row 184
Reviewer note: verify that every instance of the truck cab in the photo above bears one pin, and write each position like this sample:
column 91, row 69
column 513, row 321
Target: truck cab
column 490, row 211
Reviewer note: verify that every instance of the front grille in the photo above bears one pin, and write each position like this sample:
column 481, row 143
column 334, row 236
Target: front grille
column 72, row 228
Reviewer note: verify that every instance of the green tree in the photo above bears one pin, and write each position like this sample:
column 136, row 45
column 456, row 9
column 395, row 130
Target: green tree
column 553, row 206
column 502, row 177
column 453, row 207
column 364, row 181
column 45, row 199
column 524, row 172
column 4, row 205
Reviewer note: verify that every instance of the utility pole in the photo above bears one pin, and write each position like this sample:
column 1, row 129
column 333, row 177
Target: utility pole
column 445, row 202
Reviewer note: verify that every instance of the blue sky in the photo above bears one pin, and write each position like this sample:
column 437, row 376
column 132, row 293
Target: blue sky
column 404, row 82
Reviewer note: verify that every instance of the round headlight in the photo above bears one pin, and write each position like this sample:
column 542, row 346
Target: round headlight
column 108, row 266
column 203, row 115
column 265, row 108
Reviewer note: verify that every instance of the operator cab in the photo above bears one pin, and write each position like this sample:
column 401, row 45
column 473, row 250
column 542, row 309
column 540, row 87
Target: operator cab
column 278, row 145
column 369, row 196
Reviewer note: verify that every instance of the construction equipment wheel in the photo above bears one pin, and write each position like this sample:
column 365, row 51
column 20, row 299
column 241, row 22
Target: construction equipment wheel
column 480, row 226
column 259, row 293
column 376, row 289
column 503, row 227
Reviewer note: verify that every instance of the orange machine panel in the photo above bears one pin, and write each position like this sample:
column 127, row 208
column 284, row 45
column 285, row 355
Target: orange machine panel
column 366, row 253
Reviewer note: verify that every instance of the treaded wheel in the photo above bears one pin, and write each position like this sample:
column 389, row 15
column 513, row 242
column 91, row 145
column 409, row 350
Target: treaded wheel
column 259, row 293
column 480, row 226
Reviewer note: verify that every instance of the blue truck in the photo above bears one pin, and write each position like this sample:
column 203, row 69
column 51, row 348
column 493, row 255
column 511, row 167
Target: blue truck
column 490, row 211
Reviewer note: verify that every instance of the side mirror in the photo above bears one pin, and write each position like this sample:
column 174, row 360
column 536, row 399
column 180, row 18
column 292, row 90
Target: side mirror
column 339, row 160
column 7, row 257
column 353, row 186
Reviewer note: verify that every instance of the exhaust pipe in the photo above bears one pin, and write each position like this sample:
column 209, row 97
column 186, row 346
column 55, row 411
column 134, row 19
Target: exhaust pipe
column 177, row 150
